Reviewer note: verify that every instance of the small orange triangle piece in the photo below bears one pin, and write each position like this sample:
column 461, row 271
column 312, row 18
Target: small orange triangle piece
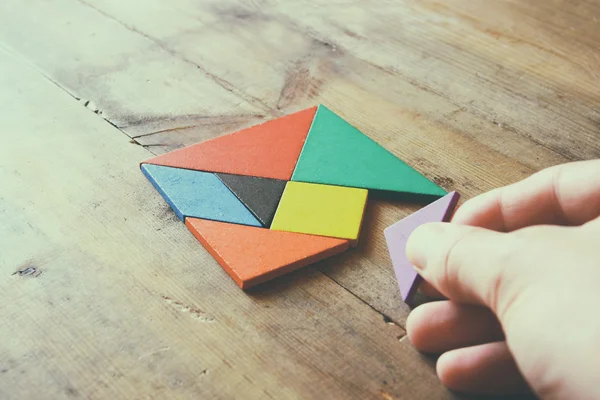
column 268, row 150
column 253, row 255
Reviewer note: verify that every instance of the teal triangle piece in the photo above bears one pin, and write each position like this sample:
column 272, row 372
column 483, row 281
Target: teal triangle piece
column 336, row 153
column 198, row 194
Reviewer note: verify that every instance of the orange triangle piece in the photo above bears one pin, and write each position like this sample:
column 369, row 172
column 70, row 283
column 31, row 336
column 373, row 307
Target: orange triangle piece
column 268, row 150
column 253, row 255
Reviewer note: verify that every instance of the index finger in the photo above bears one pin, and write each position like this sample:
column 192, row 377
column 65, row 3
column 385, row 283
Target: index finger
column 567, row 194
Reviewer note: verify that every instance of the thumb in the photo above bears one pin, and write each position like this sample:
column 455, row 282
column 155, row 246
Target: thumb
column 466, row 264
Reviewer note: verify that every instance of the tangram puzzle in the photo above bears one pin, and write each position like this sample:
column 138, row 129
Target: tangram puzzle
column 278, row 196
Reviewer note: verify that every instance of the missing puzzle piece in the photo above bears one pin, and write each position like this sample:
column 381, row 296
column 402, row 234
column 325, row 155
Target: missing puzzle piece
column 397, row 236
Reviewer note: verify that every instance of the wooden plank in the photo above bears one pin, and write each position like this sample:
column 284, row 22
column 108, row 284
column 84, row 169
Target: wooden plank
column 106, row 294
column 136, row 84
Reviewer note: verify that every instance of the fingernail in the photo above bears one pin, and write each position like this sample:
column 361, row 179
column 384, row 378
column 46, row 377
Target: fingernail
column 421, row 242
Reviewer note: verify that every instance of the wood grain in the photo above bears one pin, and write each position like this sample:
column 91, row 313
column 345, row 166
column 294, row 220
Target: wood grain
column 126, row 304
column 475, row 94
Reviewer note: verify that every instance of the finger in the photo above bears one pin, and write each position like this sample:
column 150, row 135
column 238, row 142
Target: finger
column 426, row 289
column 467, row 264
column 567, row 194
column 485, row 369
column 442, row 326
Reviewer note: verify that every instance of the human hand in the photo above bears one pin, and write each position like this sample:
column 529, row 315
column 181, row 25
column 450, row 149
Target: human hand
column 521, row 268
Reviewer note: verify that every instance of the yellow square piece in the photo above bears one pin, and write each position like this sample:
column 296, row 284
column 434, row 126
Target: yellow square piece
column 321, row 210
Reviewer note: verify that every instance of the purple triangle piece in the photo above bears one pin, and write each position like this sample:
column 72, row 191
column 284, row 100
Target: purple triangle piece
column 397, row 235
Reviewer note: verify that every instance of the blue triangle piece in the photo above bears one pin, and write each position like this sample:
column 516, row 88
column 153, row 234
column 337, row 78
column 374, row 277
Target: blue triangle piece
column 336, row 153
column 198, row 194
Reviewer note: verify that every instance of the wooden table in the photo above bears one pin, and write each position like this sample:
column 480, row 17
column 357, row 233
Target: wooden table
column 106, row 295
